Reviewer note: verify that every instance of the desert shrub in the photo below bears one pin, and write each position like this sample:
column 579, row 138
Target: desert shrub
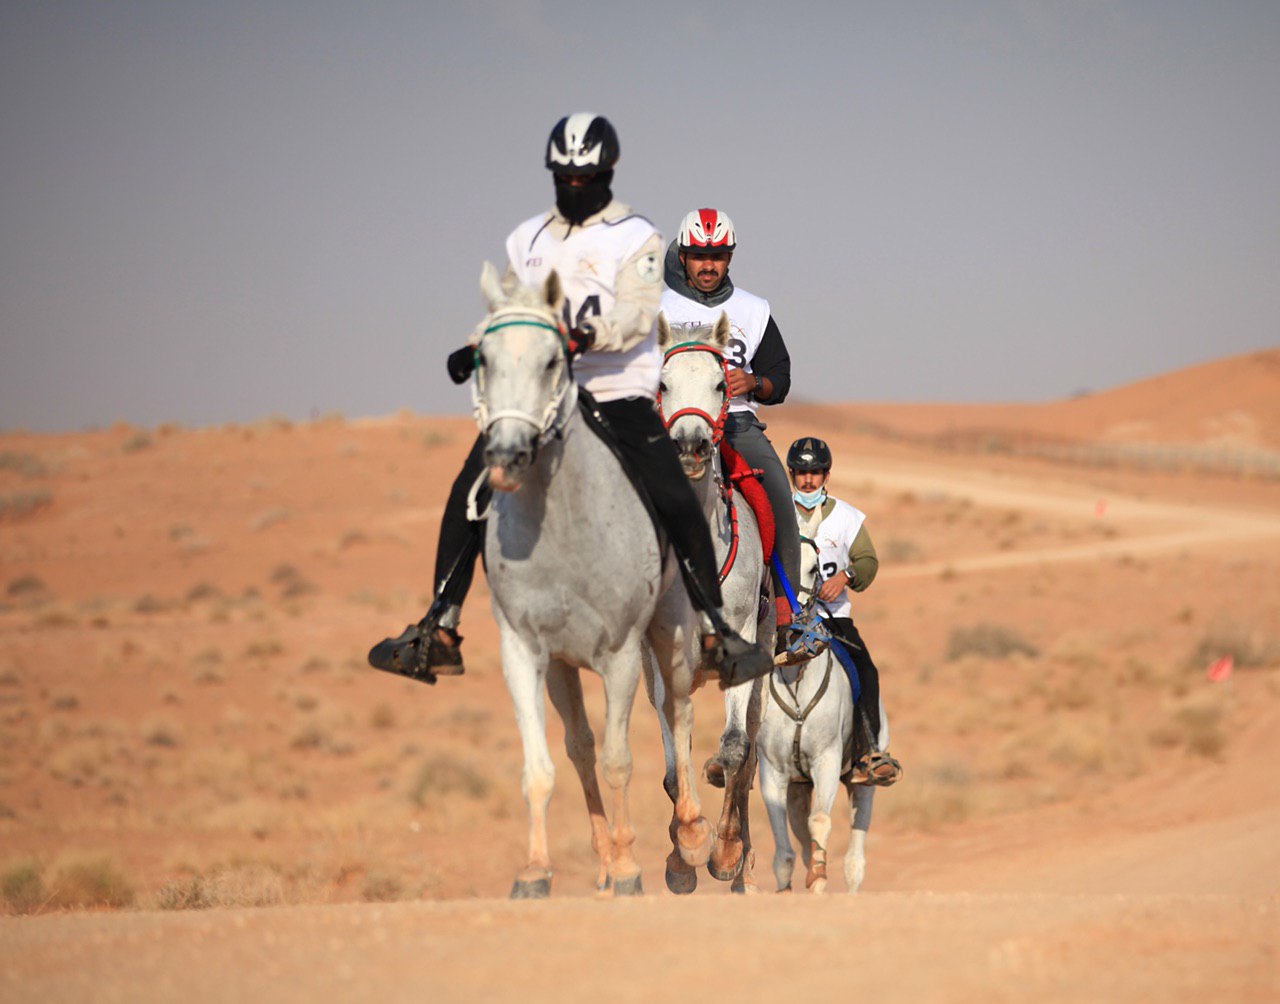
column 89, row 880
column 237, row 884
column 22, row 886
column 24, row 463
column 443, row 775
column 991, row 641
column 138, row 441
column 203, row 591
column 149, row 604
column 263, row 648
column 162, row 732
column 383, row 716
column 268, row 518
column 1196, row 726
column 26, row 585
column 22, row 504
column 382, row 886
column 1249, row 648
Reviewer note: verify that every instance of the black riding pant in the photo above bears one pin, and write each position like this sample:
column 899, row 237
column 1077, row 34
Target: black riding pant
column 842, row 628
column 649, row 452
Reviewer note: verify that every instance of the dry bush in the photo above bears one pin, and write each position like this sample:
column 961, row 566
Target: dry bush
column 21, row 462
column 89, row 880
column 316, row 664
column 991, row 641
column 383, row 886
column 19, row 505
column 138, row 441
column 22, row 886
column 162, row 731
column 148, row 604
column 442, row 775
column 268, row 518
column 1077, row 692
column 1195, row 725
column 55, row 617
column 352, row 538
column 233, row 885
column 26, row 586
column 202, row 591
column 64, row 701
column 1249, row 647
column 81, row 761
column 264, row 648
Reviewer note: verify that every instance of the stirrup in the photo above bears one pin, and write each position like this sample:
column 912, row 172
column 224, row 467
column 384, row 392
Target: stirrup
column 878, row 769
column 735, row 659
column 404, row 655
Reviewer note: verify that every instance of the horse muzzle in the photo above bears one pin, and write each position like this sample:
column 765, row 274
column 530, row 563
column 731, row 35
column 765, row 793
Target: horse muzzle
column 509, row 459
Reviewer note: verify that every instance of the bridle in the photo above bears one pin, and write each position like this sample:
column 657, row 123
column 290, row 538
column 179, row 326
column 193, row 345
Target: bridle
column 555, row 415
column 717, row 434
column 717, row 424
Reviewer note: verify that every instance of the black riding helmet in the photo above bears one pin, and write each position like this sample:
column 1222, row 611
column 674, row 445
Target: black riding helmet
column 809, row 454
column 584, row 145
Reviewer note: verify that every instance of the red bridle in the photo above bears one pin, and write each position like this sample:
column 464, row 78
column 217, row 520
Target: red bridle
column 717, row 424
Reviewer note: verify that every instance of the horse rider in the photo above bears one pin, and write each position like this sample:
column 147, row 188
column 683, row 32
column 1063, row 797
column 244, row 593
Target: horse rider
column 846, row 560
column 609, row 260
column 696, row 270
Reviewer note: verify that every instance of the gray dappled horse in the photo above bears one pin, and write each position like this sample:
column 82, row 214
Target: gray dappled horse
column 577, row 575
column 803, row 744
column 694, row 402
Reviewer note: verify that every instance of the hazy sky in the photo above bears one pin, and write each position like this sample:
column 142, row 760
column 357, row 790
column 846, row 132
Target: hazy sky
column 218, row 211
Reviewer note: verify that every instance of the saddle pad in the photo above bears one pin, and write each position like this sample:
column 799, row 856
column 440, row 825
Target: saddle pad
column 744, row 478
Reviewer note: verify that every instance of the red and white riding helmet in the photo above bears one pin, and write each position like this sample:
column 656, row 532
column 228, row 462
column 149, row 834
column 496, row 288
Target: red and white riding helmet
column 706, row 230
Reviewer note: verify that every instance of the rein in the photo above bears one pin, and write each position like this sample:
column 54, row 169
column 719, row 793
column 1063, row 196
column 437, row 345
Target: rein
column 554, row 416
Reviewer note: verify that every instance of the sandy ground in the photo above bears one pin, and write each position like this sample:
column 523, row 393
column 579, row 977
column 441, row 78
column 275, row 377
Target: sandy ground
column 183, row 703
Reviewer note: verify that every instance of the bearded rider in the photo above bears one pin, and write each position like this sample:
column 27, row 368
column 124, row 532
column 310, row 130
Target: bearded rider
column 698, row 290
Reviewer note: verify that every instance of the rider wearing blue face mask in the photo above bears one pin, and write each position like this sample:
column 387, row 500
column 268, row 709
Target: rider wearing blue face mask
column 847, row 560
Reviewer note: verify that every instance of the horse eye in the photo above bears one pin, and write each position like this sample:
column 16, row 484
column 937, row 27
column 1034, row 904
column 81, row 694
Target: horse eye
column 720, row 387
column 551, row 364
column 662, row 386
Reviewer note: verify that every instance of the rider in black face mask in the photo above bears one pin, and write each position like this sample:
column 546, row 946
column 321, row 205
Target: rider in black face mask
column 579, row 196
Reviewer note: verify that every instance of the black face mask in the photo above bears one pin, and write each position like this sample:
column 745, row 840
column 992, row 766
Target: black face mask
column 576, row 204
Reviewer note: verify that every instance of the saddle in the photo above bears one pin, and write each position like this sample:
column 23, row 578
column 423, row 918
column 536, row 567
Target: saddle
column 747, row 480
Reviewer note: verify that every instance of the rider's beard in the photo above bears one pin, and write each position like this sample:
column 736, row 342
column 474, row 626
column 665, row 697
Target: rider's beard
column 578, row 203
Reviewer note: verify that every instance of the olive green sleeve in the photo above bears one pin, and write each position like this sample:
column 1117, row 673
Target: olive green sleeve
column 863, row 563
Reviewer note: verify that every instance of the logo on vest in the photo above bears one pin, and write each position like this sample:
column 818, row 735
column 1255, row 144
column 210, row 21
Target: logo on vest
column 532, row 262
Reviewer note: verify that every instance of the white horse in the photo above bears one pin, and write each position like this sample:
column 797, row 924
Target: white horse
column 694, row 402
column 577, row 574
column 803, row 744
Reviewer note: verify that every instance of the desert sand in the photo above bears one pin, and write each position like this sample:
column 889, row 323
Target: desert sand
column 205, row 793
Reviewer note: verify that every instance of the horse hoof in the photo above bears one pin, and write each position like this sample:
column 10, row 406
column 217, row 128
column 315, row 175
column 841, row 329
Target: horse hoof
column 723, row 867
column 744, row 888
column 532, row 889
column 681, row 882
column 628, row 886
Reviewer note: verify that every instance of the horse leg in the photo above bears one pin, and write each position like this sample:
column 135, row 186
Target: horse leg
column 861, row 799
column 620, row 682
column 745, row 882
column 826, row 781
column 682, row 878
column 727, row 854
column 564, row 687
column 526, row 677
column 799, row 795
column 672, row 636
column 773, row 789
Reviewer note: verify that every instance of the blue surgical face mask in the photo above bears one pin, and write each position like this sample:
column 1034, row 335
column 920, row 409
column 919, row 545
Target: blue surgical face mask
column 810, row 500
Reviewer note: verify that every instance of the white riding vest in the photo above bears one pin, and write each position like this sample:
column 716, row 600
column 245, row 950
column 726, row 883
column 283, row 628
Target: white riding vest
column 835, row 538
column 588, row 262
column 748, row 317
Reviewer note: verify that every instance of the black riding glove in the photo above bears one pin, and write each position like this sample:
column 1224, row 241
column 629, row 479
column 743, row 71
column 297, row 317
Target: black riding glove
column 581, row 339
column 461, row 364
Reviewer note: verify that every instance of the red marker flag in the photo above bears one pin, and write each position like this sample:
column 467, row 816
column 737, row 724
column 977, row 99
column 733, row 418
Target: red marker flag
column 1221, row 670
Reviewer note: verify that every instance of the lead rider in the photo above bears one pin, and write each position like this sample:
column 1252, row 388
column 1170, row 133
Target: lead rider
column 609, row 260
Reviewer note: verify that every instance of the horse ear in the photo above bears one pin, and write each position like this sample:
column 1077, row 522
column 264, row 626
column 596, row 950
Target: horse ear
column 491, row 286
column 664, row 332
column 720, row 333
column 553, row 291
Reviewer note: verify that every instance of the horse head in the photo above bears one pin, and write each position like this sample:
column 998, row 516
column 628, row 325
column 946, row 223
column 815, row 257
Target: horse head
column 524, row 387
column 693, row 397
column 809, row 569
